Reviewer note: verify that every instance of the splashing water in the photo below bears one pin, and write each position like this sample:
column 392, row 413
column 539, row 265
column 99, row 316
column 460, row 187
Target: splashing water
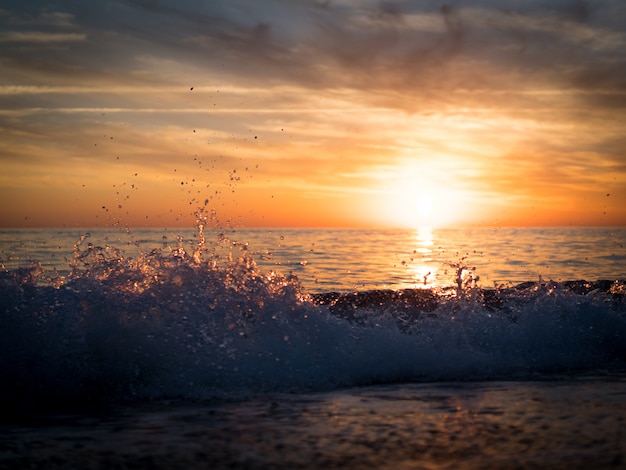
column 207, row 322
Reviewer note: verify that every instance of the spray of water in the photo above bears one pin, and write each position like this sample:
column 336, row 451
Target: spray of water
column 205, row 321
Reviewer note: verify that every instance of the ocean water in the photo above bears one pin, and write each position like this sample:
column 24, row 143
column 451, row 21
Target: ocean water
column 212, row 348
column 345, row 260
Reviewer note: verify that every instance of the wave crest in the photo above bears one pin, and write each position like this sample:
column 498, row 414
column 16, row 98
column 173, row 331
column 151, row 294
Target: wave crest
column 211, row 324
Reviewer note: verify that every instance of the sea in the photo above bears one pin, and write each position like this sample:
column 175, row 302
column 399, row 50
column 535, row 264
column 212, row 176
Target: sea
column 212, row 347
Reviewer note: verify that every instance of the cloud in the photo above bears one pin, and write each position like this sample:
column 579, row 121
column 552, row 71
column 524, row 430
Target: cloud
column 424, row 50
column 338, row 92
column 40, row 37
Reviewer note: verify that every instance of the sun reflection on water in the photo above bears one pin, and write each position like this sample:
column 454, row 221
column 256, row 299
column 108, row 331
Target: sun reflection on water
column 424, row 240
column 424, row 268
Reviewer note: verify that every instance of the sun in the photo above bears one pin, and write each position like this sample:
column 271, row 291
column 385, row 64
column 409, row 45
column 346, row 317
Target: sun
column 427, row 208
column 416, row 195
column 415, row 205
column 424, row 204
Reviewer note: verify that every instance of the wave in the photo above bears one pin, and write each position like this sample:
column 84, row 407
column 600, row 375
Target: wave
column 206, row 325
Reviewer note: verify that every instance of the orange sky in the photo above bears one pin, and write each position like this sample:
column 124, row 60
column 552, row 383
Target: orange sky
column 312, row 113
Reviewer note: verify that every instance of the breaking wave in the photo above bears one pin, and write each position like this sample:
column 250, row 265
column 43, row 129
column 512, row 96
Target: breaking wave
column 209, row 324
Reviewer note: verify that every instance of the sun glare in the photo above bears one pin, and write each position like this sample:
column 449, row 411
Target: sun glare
column 424, row 203
column 423, row 196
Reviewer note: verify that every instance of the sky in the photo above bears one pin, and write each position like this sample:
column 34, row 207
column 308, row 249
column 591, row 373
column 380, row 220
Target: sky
column 311, row 113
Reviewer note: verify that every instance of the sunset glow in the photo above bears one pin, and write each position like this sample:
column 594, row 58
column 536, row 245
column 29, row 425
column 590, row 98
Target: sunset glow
column 390, row 114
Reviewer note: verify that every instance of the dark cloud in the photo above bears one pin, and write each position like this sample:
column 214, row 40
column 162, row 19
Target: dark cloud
column 404, row 54
column 409, row 46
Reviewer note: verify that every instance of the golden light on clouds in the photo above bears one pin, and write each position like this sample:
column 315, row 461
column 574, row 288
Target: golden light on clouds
column 313, row 115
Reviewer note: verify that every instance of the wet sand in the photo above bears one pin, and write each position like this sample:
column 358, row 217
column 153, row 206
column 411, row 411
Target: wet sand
column 570, row 423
